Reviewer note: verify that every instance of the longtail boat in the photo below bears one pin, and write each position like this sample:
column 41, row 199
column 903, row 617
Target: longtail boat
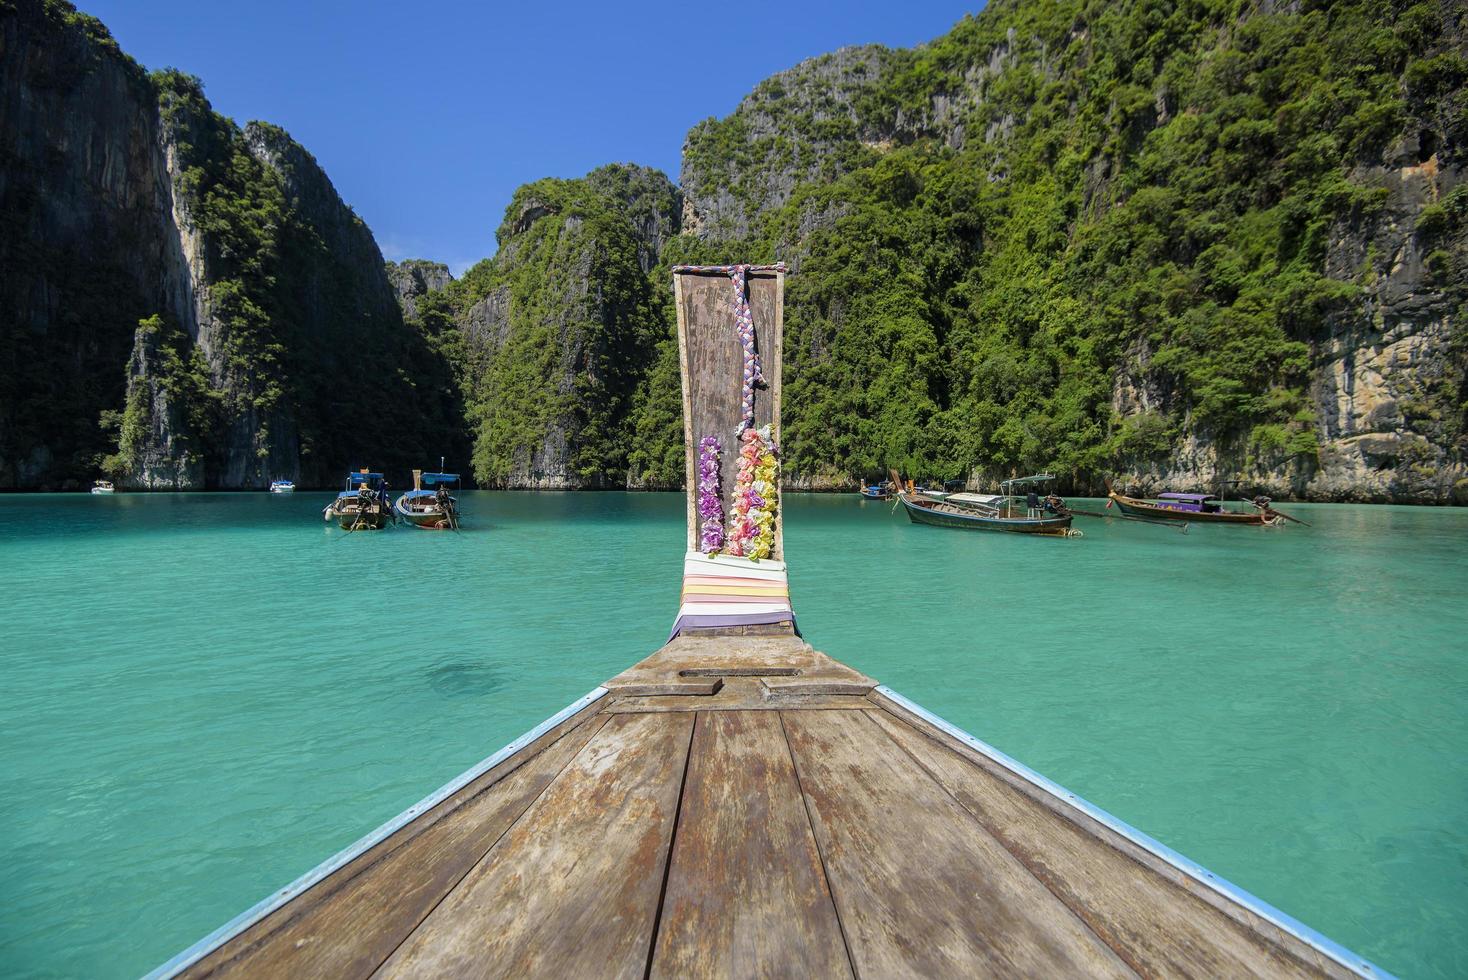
column 430, row 504
column 1202, row 508
column 740, row 804
column 363, row 505
column 1005, row 511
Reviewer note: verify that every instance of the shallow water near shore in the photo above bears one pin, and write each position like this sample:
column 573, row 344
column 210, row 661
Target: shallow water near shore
column 205, row 695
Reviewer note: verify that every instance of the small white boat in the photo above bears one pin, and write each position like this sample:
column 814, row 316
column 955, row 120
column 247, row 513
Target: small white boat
column 102, row 486
column 282, row 486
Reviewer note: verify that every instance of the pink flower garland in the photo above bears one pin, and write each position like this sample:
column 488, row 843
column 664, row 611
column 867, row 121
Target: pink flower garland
column 755, row 496
column 710, row 504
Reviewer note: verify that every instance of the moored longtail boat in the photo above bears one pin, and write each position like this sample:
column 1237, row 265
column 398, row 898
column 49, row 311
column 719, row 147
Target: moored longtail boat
column 1005, row 511
column 430, row 504
column 363, row 505
column 1202, row 508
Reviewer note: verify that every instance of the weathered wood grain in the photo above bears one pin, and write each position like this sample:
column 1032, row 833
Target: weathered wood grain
column 713, row 368
column 921, row 888
column 572, row 889
column 1152, row 923
column 746, row 896
column 353, row 919
column 1216, row 903
column 701, row 665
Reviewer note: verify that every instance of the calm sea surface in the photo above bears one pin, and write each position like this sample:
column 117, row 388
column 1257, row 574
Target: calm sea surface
column 202, row 696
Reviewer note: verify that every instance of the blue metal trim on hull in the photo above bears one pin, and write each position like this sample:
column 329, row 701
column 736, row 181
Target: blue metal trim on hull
column 275, row 900
column 1287, row 923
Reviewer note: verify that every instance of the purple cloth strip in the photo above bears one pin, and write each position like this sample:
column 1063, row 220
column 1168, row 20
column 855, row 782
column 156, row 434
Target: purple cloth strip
column 726, row 269
column 741, row 619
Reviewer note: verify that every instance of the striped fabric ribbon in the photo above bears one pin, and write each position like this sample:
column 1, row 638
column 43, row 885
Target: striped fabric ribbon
column 722, row 591
column 744, row 326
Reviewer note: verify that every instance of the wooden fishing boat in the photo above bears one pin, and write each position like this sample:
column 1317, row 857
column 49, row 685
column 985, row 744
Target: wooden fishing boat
column 741, row 804
column 876, row 491
column 1005, row 511
column 363, row 505
column 1202, row 508
column 430, row 505
column 941, row 513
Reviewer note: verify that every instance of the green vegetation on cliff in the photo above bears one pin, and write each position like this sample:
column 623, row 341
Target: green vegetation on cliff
column 1066, row 235
column 188, row 302
column 552, row 335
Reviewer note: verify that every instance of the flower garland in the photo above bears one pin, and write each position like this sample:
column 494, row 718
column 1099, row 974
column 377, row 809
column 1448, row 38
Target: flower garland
column 710, row 502
column 755, row 496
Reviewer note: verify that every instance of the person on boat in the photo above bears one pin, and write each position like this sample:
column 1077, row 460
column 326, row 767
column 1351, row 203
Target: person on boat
column 1032, row 504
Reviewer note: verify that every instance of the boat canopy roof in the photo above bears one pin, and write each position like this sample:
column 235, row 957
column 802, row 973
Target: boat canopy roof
column 421, row 493
column 1023, row 480
column 1187, row 496
column 359, row 477
column 432, row 479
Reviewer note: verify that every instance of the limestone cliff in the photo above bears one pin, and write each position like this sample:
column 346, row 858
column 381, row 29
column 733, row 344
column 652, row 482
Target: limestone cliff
column 557, row 329
column 412, row 278
column 186, row 304
column 1178, row 245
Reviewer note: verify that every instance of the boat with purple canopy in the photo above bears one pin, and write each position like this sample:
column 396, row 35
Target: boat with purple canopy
column 1205, row 508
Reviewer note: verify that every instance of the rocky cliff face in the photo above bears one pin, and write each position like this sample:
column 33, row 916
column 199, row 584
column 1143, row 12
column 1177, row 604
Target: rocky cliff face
column 412, row 278
column 1279, row 297
column 85, row 207
column 800, row 126
column 555, row 332
column 186, row 304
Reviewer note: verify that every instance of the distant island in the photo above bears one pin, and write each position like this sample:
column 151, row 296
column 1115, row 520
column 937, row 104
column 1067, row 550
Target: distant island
column 1222, row 243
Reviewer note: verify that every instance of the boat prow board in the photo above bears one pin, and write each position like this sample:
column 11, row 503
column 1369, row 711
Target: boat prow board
column 730, row 327
column 712, row 360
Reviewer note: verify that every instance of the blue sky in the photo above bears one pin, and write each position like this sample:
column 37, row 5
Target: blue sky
column 427, row 116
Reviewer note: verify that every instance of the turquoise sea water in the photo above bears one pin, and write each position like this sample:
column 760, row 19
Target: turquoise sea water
column 205, row 695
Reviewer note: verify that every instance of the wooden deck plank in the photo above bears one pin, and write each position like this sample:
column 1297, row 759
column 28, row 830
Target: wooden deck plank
column 746, row 896
column 572, row 889
column 1245, row 918
column 353, row 919
column 921, row 888
column 738, row 694
column 698, row 665
column 1152, row 922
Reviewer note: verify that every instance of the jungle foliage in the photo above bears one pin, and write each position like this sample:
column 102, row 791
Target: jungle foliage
column 1125, row 202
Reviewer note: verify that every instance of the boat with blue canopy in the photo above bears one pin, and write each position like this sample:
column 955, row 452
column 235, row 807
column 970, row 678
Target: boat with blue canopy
column 282, row 486
column 363, row 505
column 431, row 505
